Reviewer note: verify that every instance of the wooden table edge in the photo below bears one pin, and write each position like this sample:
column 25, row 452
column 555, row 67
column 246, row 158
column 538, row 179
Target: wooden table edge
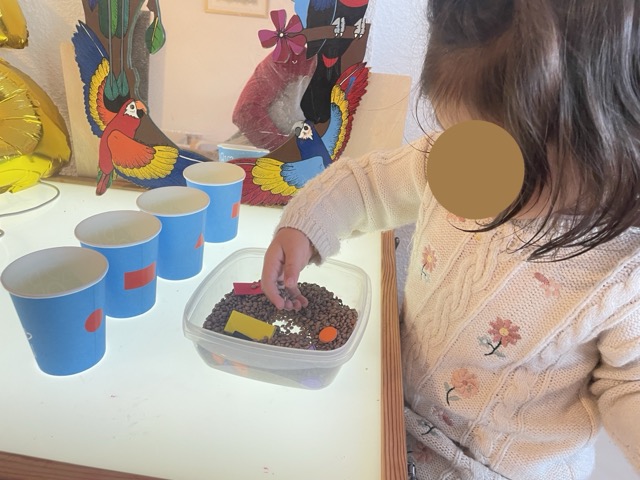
column 22, row 467
column 394, row 451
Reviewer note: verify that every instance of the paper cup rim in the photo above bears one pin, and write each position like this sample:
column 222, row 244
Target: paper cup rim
column 246, row 148
column 200, row 197
column 154, row 231
column 196, row 173
column 11, row 287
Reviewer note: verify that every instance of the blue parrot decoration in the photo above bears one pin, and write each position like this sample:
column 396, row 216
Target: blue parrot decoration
column 270, row 181
column 311, row 144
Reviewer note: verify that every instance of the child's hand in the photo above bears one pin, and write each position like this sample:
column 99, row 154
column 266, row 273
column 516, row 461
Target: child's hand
column 289, row 252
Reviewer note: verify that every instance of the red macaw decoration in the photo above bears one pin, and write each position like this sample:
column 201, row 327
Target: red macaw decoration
column 148, row 161
column 132, row 159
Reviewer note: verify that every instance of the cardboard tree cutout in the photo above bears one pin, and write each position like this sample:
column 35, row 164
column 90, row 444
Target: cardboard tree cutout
column 333, row 31
column 131, row 145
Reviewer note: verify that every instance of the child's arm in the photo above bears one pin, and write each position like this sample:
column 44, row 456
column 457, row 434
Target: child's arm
column 617, row 385
column 378, row 191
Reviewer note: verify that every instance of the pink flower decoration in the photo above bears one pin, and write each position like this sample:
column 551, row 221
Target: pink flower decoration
column 428, row 258
column 504, row 331
column 464, row 382
column 422, row 453
column 551, row 287
column 287, row 39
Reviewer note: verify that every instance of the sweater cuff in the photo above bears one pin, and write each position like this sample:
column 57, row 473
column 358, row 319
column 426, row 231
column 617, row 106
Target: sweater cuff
column 325, row 245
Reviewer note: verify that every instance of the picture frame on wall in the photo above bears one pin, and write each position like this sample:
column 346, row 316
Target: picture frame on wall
column 243, row 8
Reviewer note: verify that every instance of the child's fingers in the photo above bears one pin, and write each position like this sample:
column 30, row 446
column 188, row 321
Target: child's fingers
column 294, row 299
column 271, row 273
column 287, row 255
column 291, row 273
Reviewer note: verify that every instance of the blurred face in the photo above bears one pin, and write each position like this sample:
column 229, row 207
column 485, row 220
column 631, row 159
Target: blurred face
column 448, row 116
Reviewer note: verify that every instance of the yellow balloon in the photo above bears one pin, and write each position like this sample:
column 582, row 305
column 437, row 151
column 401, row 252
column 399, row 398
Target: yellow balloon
column 13, row 26
column 34, row 140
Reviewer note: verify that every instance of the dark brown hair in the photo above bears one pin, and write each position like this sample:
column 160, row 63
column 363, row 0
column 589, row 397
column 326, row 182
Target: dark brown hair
column 563, row 78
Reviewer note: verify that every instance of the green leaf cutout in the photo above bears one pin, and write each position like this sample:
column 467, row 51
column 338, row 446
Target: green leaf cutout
column 111, row 87
column 108, row 17
column 123, row 18
column 155, row 36
column 113, row 17
column 123, row 85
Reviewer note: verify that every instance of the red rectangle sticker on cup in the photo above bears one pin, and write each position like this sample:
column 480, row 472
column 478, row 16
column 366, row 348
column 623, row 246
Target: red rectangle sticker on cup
column 139, row 278
column 235, row 210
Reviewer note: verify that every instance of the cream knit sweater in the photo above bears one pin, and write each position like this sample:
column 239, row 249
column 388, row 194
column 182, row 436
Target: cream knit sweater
column 510, row 367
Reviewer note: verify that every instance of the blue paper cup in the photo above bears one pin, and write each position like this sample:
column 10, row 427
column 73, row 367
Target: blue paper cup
column 228, row 151
column 223, row 183
column 182, row 211
column 129, row 239
column 59, row 296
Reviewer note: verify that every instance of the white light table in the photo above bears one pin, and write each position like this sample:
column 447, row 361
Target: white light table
column 152, row 408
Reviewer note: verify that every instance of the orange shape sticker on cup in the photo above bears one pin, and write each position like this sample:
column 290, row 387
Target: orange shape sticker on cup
column 94, row 320
column 235, row 210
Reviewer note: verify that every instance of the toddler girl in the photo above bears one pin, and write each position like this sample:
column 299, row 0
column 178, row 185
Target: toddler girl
column 521, row 333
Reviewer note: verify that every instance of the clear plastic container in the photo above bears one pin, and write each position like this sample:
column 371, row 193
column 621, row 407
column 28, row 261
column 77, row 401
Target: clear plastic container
column 311, row 369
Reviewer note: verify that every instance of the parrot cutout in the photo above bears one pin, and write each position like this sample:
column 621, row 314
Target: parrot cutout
column 336, row 32
column 131, row 145
column 134, row 161
column 270, row 181
column 34, row 140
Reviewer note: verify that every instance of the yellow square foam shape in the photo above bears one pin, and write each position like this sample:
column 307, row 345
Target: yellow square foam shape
column 248, row 326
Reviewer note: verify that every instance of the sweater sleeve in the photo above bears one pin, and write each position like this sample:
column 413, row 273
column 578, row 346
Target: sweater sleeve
column 378, row 191
column 617, row 385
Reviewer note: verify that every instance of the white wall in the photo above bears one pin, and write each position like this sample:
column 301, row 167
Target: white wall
column 397, row 45
column 197, row 77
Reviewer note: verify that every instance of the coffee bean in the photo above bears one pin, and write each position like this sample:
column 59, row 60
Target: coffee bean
column 324, row 310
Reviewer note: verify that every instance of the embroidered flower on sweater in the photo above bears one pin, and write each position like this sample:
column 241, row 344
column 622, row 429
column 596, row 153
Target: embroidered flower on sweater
column 453, row 218
column 551, row 287
column 464, row 383
column 429, row 261
column 503, row 333
column 421, row 453
column 442, row 414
